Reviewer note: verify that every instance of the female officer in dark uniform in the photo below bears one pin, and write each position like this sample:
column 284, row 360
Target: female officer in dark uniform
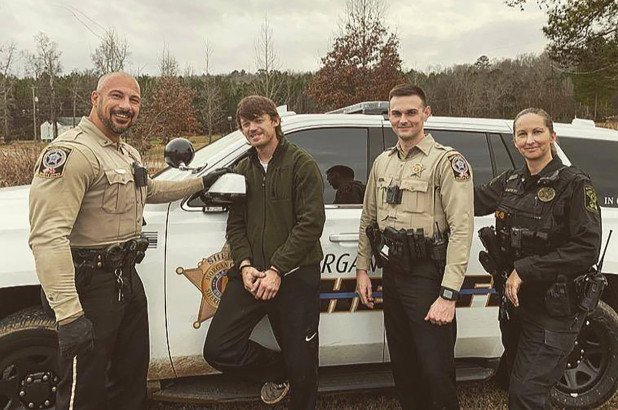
column 548, row 224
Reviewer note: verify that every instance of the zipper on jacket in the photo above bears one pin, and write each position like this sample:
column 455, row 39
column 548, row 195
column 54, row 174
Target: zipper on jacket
column 263, row 216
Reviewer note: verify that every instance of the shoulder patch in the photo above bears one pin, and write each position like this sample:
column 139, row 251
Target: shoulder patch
column 460, row 167
column 591, row 199
column 53, row 162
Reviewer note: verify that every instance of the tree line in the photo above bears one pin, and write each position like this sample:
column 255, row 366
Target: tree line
column 362, row 64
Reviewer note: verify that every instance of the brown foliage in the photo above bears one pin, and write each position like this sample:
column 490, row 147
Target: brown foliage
column 18, row 162
column 363, row 65
column 167, row 113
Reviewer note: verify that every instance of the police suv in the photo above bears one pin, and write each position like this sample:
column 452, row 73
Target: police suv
column 185, row 268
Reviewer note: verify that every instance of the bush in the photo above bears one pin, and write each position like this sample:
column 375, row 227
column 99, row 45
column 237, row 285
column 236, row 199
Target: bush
column 18, row 162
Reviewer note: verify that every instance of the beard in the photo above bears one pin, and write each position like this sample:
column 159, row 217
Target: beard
column 109, row 124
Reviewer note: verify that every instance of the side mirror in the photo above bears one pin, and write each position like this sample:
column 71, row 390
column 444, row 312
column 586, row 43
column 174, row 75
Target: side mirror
column 179, row 153
column 227, row 189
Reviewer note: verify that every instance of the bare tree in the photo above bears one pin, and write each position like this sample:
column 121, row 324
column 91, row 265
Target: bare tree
column 7, row 80
column 111, row 54
column 79, row 85
column 168, row 64
column 268, row 82
column 188, row 72
column 45, row 66
column 213, row 100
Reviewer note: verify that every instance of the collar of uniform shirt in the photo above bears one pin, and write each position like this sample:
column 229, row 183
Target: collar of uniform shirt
column 424, row 146
column 88, row 126
column 553, row 165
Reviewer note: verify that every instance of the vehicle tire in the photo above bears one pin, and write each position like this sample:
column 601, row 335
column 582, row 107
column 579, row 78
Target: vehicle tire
column 28, row 360
column 591, row 376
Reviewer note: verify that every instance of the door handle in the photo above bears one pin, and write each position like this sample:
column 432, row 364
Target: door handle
column 343, row 237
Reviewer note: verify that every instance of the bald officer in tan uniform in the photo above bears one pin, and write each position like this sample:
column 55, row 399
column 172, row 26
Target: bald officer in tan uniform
column 419, row 184
column 86, row 203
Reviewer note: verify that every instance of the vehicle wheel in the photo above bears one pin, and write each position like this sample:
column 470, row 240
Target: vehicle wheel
column 592, row 371
column 28, row 360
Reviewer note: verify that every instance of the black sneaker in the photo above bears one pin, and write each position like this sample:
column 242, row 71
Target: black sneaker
column 273, row 393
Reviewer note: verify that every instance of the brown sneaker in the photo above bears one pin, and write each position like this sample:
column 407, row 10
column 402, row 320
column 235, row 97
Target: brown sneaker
column 273, row 393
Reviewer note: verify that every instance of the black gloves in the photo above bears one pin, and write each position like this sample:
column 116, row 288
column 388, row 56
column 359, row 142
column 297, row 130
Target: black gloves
column 212, row 176
column 75, row 337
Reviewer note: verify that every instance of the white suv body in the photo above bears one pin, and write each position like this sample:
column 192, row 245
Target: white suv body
column 183, row 272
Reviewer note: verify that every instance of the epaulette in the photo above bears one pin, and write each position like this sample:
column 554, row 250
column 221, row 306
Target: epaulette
column 513, row 176
column 552, row 177
column 574, row 172
column 443, row 147
column 70, row 135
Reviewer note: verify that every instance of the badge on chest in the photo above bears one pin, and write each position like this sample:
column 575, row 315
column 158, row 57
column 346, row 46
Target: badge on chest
column 546, row 193
column 417, row 169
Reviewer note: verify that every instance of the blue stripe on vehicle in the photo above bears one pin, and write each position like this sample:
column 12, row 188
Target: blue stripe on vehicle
column 350, row 295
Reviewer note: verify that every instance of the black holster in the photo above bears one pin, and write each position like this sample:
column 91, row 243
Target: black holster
column 375, row 239
column 398, row 257
column 437, row 251
column 498, row 265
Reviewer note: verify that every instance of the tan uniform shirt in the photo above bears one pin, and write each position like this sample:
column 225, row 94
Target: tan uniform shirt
column 83, row 195
column 436, row 182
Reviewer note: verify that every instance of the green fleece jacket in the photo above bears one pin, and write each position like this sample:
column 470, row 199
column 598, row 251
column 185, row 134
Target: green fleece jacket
column 281, row 220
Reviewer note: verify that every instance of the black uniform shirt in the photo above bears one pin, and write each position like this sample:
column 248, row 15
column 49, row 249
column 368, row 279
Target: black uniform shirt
column 559, row 201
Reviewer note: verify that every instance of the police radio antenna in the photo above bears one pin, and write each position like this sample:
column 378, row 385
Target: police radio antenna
column 600, row 264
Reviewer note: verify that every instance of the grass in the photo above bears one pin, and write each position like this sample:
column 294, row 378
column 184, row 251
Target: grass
column 19, row 158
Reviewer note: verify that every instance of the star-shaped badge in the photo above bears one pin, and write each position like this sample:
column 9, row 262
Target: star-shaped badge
column 210, row 277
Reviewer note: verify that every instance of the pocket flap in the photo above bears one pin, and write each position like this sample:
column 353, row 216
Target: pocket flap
column 560, row 340
column 415, row 185
column 118, row 176
column 384, row 182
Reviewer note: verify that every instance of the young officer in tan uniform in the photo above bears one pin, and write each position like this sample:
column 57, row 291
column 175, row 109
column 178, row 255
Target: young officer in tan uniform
column 419, row 184
column 86, row 203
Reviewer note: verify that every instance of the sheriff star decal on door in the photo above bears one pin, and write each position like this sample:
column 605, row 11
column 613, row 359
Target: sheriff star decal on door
column 210, row 277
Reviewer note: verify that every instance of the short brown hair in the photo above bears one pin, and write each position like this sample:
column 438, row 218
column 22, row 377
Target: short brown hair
column 407, row 90
column 255, row 106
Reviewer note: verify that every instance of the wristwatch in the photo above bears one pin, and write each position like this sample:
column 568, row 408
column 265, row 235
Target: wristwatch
column 448, row 294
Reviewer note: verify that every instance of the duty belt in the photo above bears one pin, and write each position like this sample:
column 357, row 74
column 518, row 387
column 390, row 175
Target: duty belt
column 119, row 258
column 399, row 248
column 112, row 256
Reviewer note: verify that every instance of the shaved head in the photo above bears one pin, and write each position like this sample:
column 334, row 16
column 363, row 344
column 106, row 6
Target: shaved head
column 104, row 80
column 115, row 104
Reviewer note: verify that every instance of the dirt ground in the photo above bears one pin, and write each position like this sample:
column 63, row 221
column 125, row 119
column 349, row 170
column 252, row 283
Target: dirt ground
column 472, row 395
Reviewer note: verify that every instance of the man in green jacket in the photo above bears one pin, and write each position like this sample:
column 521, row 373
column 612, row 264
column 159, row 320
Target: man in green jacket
column 274, row 238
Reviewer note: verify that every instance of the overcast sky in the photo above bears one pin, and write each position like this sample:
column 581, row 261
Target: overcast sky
column 431, row 32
